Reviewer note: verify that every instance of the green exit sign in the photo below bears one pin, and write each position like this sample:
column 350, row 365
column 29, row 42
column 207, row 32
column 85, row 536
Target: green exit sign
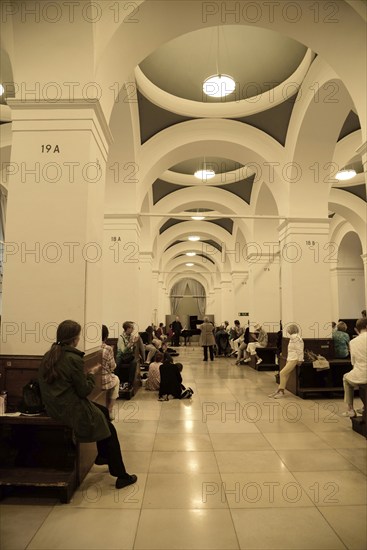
column 243, row 314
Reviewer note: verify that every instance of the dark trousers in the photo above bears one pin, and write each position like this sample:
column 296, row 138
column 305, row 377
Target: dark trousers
column 109, row 448
column 211, row 351
column 126, row 372
column 176, row 338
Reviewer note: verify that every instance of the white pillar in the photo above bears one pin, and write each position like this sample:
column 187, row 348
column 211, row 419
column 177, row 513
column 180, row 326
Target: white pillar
column 364, row 259
column 53, row 254
column 305, row 276
column 121, row 288
column 227, row 301
column 334, row 285
column 241, row 297
column 265, row 290
column 145, row 295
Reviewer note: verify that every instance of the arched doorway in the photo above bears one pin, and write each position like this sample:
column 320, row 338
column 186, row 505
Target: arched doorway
column 188, row 298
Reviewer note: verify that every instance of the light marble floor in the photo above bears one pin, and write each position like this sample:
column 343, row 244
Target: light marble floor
column 228, row 469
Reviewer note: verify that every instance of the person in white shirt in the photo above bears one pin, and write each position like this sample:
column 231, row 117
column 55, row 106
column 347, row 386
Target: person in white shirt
column 358, row 358
column 295, row 357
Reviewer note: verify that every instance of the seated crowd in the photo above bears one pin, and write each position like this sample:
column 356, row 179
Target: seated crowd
column 65, row 387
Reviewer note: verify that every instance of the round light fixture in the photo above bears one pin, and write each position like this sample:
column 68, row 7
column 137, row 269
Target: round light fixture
column 189, row 264
column 194, row 238
column 204, row 175
column 2, row 89
column 190, row 253
column 343, row 175
column 198, row 218
column 219, row 85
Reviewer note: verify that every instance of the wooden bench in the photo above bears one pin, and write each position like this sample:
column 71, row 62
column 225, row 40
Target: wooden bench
column 37, row 451
column 359, row 423
column 267, row 354
column 306, row 380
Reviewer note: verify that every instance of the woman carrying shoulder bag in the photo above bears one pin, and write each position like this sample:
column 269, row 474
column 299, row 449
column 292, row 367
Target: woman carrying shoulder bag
column 64, row 389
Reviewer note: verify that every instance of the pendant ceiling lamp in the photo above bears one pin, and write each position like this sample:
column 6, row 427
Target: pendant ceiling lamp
column 219, row 84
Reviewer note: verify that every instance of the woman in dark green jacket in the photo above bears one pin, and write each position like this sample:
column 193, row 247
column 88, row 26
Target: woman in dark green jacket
column 64, row 389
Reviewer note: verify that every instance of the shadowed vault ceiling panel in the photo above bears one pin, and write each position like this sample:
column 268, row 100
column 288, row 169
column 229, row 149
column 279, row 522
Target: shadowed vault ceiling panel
column 257, row 59
column 241, row 189
column 357, row 190
column 274, row 121
column 153, row 119
column 214, row 244
column 350, row 125
column 173, row 244
column 169, row 223
column 163, row 188
column 226, row 223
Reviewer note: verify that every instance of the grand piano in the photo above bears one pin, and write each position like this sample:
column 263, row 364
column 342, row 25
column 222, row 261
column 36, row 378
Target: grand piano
column 192, row 331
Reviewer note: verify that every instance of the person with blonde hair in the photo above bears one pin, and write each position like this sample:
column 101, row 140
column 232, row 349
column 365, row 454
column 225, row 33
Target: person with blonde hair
column 295, row 357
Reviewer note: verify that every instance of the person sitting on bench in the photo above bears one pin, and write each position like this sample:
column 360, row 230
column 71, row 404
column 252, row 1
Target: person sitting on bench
column 295, row 357
column 110, row 382
column 65, row 388
column 341, row 341
column 125, row 357
column 171, row 383
column 358, row 374
column 261, row 341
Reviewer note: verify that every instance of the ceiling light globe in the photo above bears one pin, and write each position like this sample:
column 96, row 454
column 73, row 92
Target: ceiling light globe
column 219, row 85
column 343, row 175
column 204, row 175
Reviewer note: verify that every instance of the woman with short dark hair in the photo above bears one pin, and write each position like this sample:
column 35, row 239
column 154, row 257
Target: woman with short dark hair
column 65, row 388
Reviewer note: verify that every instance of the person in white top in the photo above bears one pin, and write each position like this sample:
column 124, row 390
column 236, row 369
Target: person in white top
column 295, row 357
column 358, row 358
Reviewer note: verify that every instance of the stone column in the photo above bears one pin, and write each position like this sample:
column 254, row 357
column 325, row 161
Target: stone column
column 305, row 276
column 121, row 283
column 54, row 233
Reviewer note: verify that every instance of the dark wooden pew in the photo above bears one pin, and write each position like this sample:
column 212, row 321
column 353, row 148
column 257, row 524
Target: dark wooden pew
column 268, row 355
column 37, row 451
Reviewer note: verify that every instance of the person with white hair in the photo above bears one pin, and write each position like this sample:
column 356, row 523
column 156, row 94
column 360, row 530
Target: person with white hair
column 207, row 339
column 295, row 357
column 261, row 341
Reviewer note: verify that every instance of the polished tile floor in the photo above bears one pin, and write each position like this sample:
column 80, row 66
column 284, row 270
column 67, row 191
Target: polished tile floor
column 228, row 469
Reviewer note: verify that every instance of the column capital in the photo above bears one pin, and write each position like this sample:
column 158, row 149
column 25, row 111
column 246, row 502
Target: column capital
column 304, row 226
column 364, row 258
column 240, row 275
column 123, row 221
column 61, row 115
column 146, row 257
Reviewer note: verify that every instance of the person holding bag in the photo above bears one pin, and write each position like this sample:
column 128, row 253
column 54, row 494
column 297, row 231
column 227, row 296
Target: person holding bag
column 65, row 388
